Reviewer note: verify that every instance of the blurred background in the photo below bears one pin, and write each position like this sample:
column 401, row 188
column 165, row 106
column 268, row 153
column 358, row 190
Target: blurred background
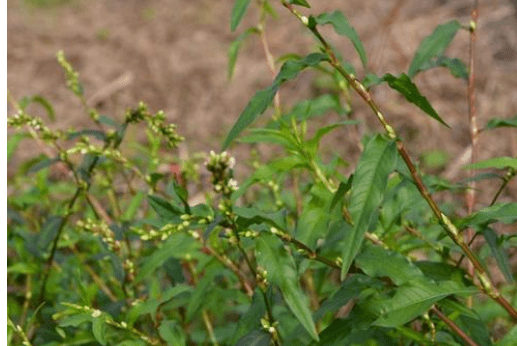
column 173, row 55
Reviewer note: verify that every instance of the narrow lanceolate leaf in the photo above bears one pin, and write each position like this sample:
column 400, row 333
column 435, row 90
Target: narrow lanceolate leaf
column 433, row 46
column 343, row 27
column 502, row 212
column 408, row 89
column 495, row 162
column 370, row 178
column 250, row 321
column 496, row 123
column 413, row 299
column 262, row 99
column 238, row 12
column 300, row 3
column 233, row 51
column 281, row 271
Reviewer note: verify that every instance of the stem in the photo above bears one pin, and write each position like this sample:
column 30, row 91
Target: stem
column 474, row 133
column 445, row 222
column 454, row 327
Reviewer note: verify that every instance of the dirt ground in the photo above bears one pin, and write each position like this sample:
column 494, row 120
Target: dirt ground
column 172, row 54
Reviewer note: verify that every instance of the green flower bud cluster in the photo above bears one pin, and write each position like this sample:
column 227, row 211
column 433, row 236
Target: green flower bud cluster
column 35, row 123
column 72, row 77
column 221, row 167
column 84, row 147
column 101, row 229
column 155, row 123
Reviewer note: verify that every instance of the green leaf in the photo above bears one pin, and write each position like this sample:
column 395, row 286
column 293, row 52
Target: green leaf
column 99, row 327
column 510, row 339
column 433, row 46
column 343, row 27
column 269, row 136
column 163, row 208
column 172, row 333
column 311, row 108
column 262, row 99
column 312, row 145
column 238, row 12
column 314, row 219
column 496, row 123
column 235, row 46
column 75, row 320
column 495, row 162
column 255, row 338
column 24, row 103
column 341, row 191
column 498, row 252
column 455, row 66
column 379, row 262
column 370, row 179
column 46, row 162
column 133, row 206
column 250, row 321
column 350, row 289
column 405, row 86
column 281, row 271
column 88, row 132
column 300, row 3
column 177, row 246
column 12, row 143
column 502, row 212
column 413, row 299
column 48, row 232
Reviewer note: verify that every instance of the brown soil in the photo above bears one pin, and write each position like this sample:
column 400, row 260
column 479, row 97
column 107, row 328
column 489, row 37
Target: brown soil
column 172, row 54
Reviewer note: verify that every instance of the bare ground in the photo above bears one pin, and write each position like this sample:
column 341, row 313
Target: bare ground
column 172, row 54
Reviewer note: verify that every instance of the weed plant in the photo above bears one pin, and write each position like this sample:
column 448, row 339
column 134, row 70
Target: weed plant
column 111, row 250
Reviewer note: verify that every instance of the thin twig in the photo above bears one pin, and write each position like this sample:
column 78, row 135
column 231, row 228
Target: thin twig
column 454, row 327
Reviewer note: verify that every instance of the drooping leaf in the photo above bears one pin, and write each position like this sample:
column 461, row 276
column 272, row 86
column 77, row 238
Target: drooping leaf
column 238, row 12
column 456, row 66
column 498, row 252
column 24, row 103
column 281, row 271
column 262, row 99
column 413, row 299
column 343, row 27
column 370, row 178
column 433, row 45
column 311, row 108
column 496, row 123
column 495, row 162
column 408, row 89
